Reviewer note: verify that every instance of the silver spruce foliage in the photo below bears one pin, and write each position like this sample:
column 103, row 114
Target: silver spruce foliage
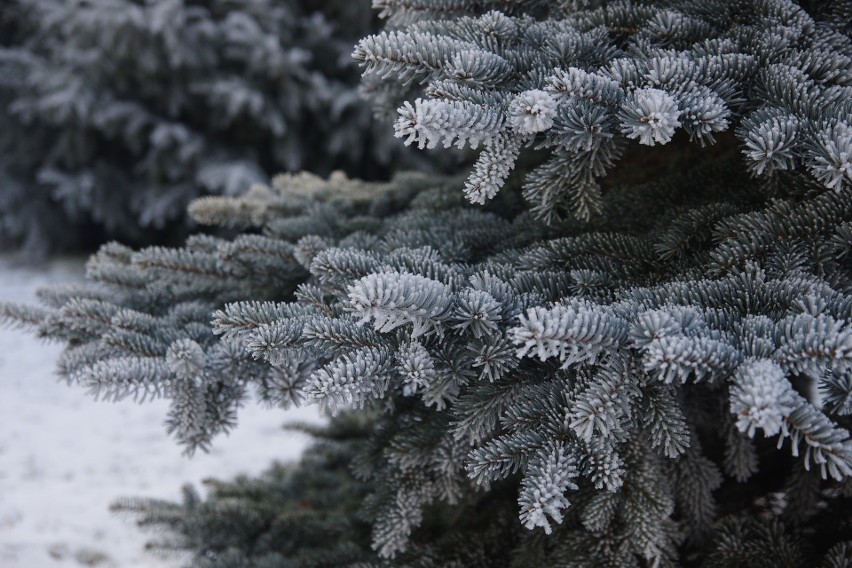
column 619, row 370
column 572, row 84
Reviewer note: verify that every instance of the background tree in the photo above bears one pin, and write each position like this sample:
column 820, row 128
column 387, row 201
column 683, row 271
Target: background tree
column 116, row 113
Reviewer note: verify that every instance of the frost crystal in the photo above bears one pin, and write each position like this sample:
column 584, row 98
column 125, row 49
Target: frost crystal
column 761, row 398
column 415, row 366
column 832, row 164
column 492, row 168
column 394, row 300
column 429, row 122
column 771, row 144
column 185, row 358
column 532, row 112
column 542, row 492
column 572, row 333
column 651, row 115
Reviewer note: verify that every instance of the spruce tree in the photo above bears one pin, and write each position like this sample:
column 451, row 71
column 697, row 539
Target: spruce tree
column 115, row 114
column 623, row 339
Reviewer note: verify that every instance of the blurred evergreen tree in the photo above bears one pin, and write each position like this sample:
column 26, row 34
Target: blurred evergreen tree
column 114, row 114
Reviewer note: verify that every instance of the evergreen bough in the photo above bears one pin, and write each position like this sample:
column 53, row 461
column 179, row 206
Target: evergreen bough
column 636, row 353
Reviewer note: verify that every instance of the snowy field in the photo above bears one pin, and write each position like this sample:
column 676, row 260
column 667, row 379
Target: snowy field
column 64, row 458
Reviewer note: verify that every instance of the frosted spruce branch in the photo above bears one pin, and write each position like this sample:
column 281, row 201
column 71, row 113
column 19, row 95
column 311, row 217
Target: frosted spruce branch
column 507, row 82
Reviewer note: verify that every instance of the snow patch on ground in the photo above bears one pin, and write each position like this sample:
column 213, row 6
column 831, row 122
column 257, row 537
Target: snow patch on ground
column 64, row 457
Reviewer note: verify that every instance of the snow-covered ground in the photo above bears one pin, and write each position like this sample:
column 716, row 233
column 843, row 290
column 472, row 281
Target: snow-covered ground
column 64, row 458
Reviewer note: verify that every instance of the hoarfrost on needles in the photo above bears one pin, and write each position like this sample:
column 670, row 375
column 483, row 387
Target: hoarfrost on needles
column 532, row 112
column 651, row 115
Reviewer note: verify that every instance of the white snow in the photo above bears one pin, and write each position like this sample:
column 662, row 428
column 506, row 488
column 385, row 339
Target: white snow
column 64, row 457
